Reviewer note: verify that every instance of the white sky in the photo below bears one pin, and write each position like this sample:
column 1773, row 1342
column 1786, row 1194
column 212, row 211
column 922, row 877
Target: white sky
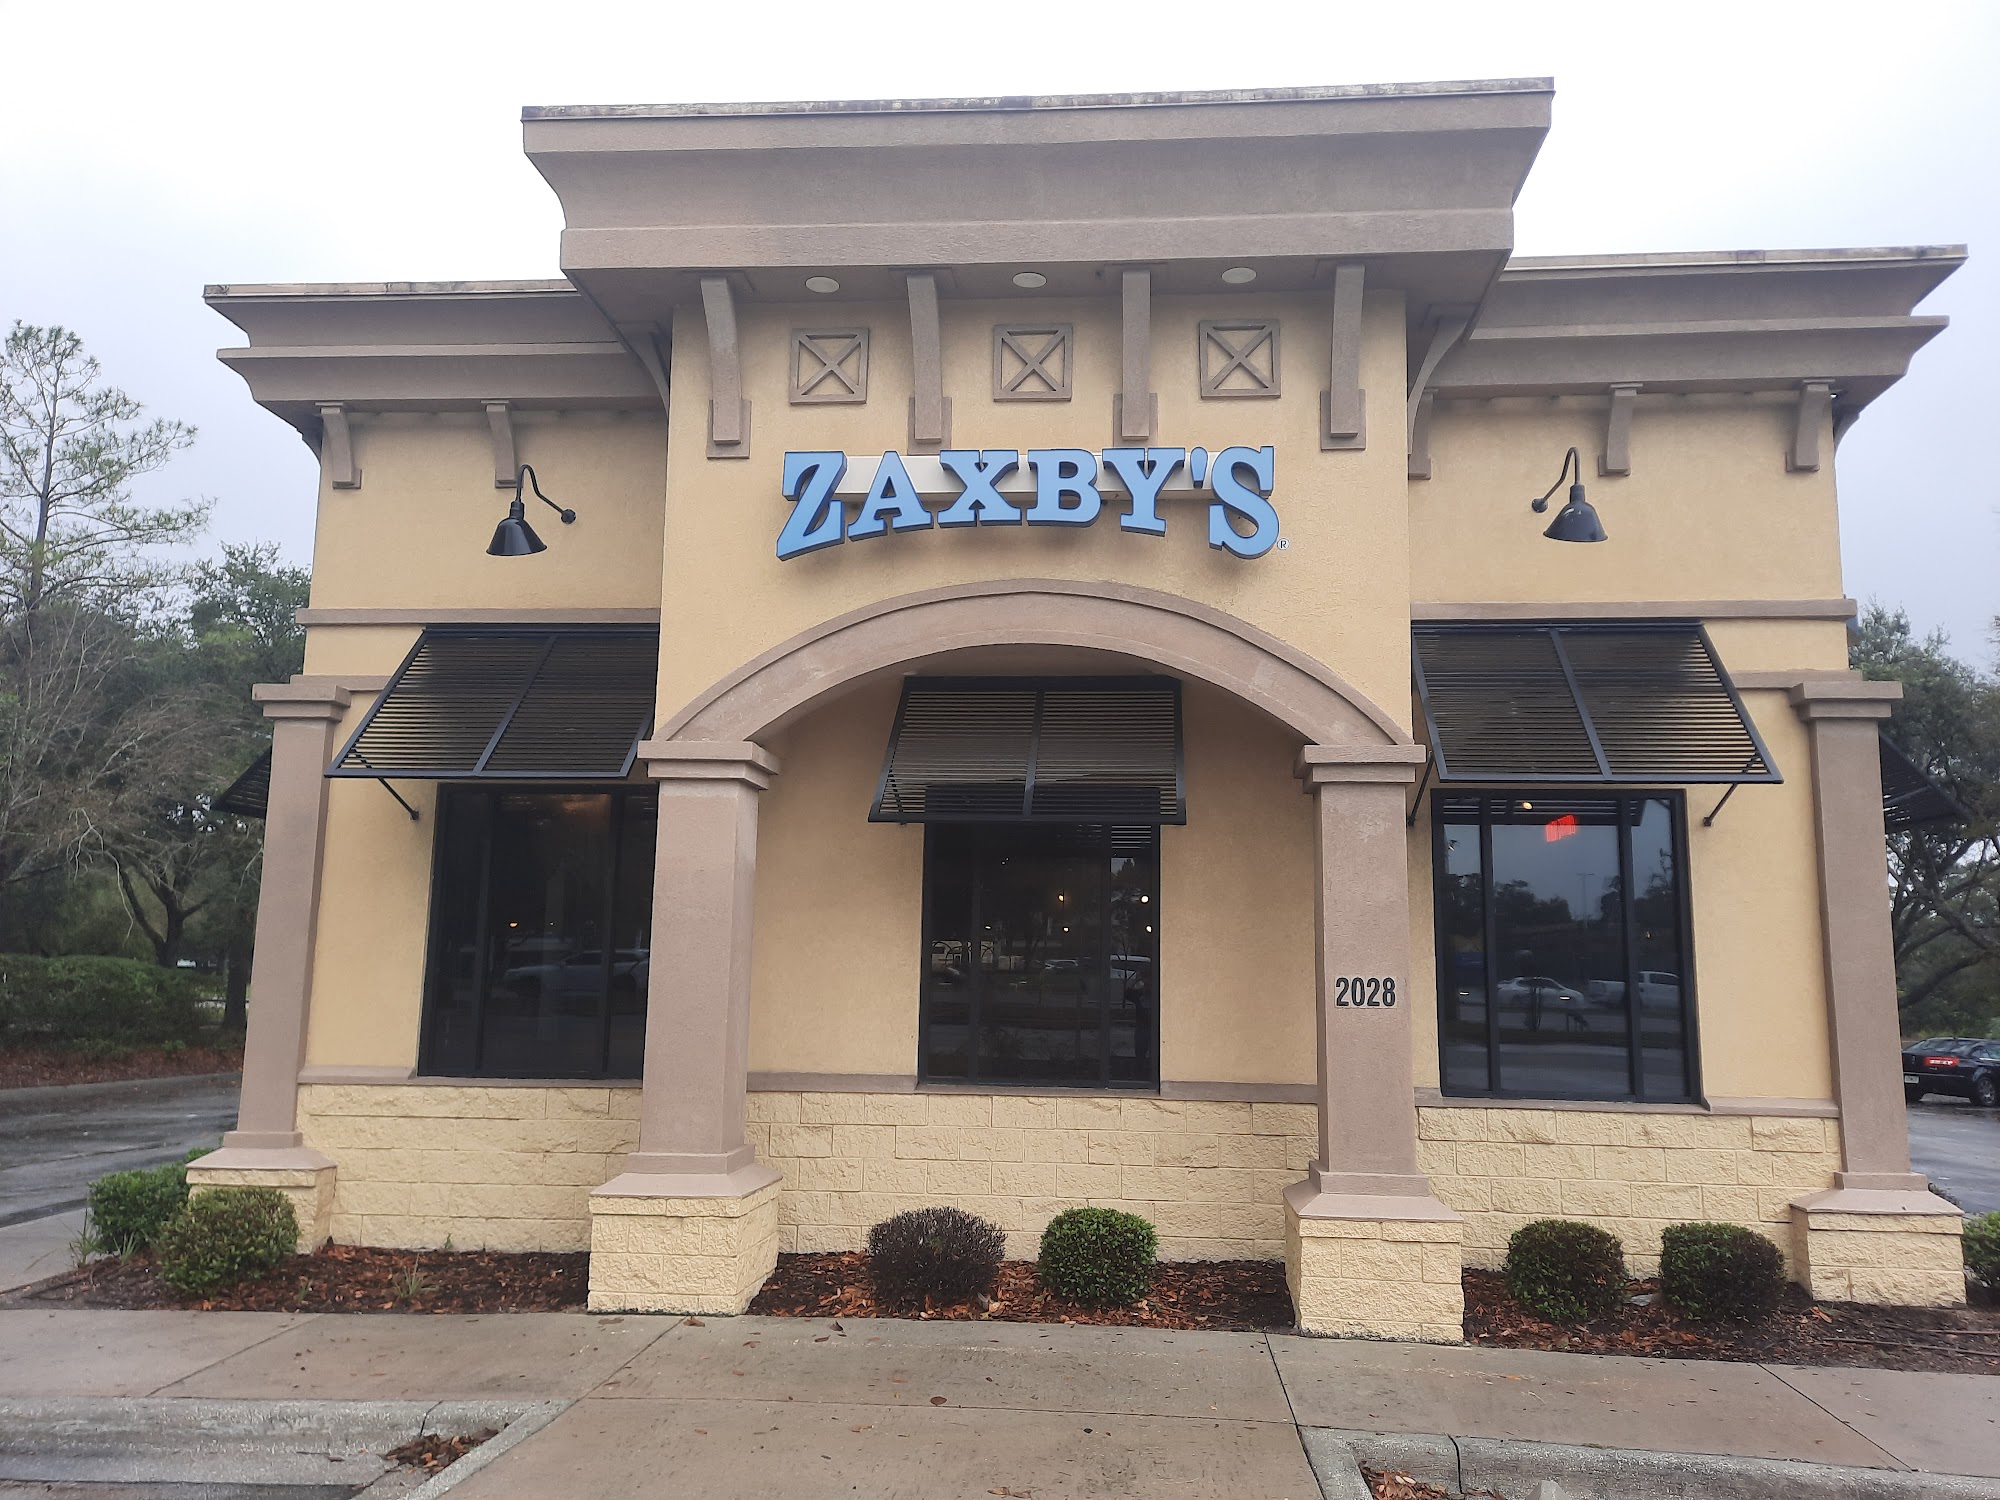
column 149, row 149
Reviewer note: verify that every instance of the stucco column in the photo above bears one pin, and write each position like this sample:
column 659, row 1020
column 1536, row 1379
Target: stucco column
column 691, row 1224
column 1369, row 1249
column 1880, row 1235
column 266, row 1148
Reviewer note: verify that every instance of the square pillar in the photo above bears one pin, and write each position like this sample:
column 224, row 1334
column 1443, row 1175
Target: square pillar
column 1369, row 1250
column 691, row 1224
column 1880, row 1235
column 265, row 1149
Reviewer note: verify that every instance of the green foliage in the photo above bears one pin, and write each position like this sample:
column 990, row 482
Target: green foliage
column 1982, row 1249
column 129, row 1209
column 942, row 1253
column 1098, row 1255
column 1720, row 1272
column 226, row 1235
column 95, row 1005
column 1566, row 1271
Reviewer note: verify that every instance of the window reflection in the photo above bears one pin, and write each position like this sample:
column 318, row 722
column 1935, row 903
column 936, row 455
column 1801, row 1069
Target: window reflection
column 1560, row 948
column 542, row 917
column 1042, row 953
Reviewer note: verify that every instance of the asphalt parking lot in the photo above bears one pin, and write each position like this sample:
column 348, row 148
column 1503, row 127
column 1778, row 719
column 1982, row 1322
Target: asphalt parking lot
column 54, row 1141
column 1958, row 1148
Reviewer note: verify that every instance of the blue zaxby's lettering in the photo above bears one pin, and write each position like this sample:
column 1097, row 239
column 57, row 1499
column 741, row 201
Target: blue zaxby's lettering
column 1070, row 488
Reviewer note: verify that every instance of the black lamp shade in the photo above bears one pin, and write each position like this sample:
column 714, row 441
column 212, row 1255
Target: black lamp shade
column 1575, row 522
column 514, row 537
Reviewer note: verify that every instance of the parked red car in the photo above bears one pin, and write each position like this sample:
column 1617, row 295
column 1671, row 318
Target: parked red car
column 1963, row 1066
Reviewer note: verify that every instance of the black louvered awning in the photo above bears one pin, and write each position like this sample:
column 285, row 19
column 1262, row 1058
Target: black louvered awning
column 249, row 794
column 1910, row 798
column 510, row 704
column 1631, row 702
column 1044, row 749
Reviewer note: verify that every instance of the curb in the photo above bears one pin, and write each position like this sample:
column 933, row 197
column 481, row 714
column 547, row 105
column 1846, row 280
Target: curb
column 35, row 1100
column 1518, row 1468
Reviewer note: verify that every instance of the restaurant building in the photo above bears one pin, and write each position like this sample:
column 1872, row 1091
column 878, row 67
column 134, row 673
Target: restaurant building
column 1039, row 632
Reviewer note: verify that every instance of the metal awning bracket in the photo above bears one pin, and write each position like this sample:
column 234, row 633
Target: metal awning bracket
column 379, row 781
column 1410, row 820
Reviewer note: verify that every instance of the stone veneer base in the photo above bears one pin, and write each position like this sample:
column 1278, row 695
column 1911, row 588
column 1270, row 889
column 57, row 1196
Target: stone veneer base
column 658, row 1254
column 1895, row 1249
column 302, row 1175
column 1385, row 1278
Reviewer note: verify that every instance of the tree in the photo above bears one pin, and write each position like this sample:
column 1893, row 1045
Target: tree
column 69, row 448
column 1945, row 877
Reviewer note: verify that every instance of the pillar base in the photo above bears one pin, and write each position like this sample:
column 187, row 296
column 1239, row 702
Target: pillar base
column 1374, row 1265
column 303, row 1175
column 683, row 1242
column 1900, row 1249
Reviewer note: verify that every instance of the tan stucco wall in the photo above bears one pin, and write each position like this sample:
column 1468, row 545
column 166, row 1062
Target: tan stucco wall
column 415, row 532
column 840, row 904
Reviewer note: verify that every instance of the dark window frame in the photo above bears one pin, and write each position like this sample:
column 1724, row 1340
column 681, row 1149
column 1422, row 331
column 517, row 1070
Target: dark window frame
column 971, row 1081
column 436, row 956
column 1684, row 909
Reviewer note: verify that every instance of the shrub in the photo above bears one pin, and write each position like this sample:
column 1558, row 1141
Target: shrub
column 1567, row 1271
column 224, row 1236
column 129, row 1209
column 1098, row 1255
column 1720, row 1272
column 97, row 1005
column 943, row 1253
column 1982, row 1249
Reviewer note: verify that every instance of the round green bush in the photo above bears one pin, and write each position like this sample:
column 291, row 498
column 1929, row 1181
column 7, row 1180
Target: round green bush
column 1982, row 1249
column 96, row 1005
column 225, row 1235
column 1098, row 1255
column 129, row 1209
column 1567, row 1271
column 1720, row 1272
column 942, row 1253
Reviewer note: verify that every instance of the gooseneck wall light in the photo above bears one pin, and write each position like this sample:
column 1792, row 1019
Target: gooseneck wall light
column 1576, row 521
column 514, row 537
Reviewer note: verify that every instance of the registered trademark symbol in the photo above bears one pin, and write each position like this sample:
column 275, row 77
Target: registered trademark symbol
column 1284, row 544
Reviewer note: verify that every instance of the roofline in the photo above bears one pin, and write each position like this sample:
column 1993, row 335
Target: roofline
column 1886, row 255
column 1021, row 103
column 320, row 290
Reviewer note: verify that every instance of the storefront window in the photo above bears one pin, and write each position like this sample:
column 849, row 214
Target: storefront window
column 541, row 923
column 1041, row 955
column 1562, row 953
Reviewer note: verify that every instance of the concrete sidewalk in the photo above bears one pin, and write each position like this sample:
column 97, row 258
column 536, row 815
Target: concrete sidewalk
column 752, row 1406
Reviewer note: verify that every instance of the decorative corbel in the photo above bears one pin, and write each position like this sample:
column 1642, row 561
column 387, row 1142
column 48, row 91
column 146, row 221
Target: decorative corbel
column 500, row 422
column 1617, row 455
column 1419, row 466
column 651, row 347
column 930, row 408
column 1135, row 410
column 1447, row 325
column 1815, row 405
column 728, row 411
column 336, row 448
column 1343, row 418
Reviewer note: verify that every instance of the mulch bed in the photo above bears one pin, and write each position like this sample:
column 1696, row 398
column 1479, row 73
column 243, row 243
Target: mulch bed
column 1801, row 1332
column 344, row 1278
column 435, row 1451
column 1391, row 1484
column 1232, row 1294
column 34, row 1067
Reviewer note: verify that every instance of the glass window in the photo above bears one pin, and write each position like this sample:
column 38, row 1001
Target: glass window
column 1041, row 954
column 1561, row 936
column 541, row 924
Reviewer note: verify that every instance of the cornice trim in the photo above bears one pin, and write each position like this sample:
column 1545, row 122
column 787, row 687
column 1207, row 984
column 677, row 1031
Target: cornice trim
column 321, row 617
column 1654, row 609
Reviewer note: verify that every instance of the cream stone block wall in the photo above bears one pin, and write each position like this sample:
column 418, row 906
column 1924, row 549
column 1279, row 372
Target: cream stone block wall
column 310, row 1191
column 1384, row 1279
column 1902, row 1260
column 487, row 1167
column 1633, row 1173
column 1209, row 1176
column 681, row 1255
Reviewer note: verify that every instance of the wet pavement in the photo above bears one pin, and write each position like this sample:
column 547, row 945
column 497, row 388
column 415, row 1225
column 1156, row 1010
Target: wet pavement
column 1958, row 1147
column 54, row 1141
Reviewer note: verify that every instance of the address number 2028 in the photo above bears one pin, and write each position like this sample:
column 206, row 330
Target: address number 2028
column 1359, row 991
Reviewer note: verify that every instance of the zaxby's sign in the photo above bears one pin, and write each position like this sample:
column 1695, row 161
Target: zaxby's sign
column 1052, row 487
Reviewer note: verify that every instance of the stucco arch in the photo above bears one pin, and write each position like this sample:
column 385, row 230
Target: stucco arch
column 1191, row 640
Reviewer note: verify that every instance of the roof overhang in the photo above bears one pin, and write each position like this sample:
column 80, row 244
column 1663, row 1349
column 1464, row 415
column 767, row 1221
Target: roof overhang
column 1418, row 182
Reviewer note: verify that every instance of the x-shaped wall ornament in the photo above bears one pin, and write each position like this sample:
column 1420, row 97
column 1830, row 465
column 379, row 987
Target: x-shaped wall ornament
column 1041, row 354
column 1240, row 346
column 830, row 365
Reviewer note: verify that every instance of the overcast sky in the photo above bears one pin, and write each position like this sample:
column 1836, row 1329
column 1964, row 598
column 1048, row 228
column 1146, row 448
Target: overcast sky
column 152, row 148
